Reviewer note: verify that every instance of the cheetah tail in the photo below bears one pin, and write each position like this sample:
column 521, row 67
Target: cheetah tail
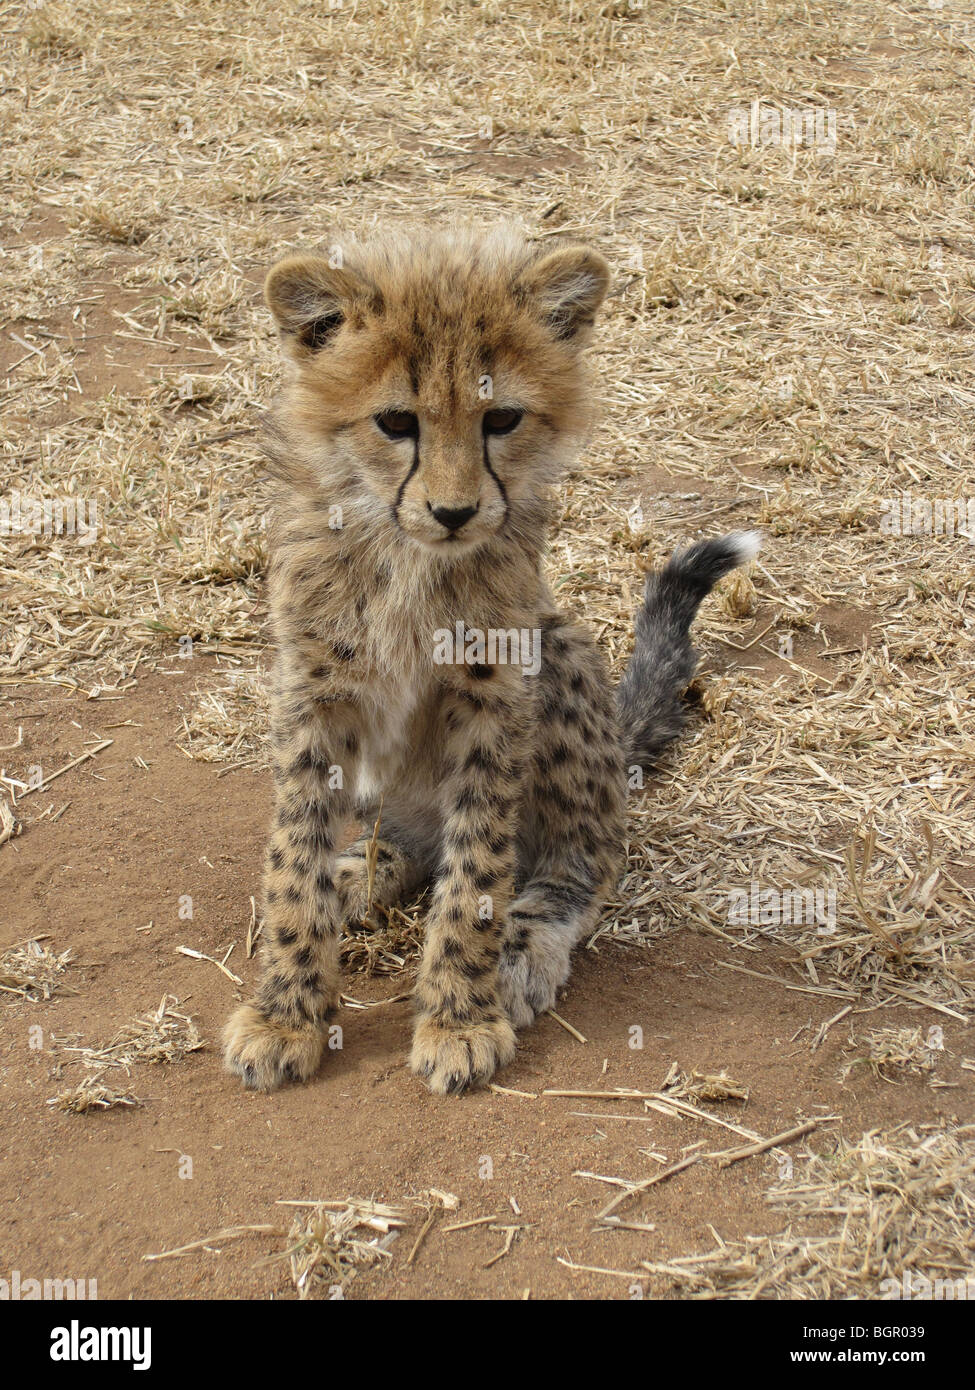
column 649, row 697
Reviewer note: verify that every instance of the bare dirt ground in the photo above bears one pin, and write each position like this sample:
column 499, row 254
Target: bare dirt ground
column 90, row 1196
column 788, row 344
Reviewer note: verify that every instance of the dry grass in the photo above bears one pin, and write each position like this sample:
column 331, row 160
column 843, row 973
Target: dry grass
column 229, row 720
column 706, row 1086
column 894, row 1053
column 329, row 1243
column 32, row 970
column 891, row 1203
column 165, row 1035
column 391, row 945
column 92, row 1094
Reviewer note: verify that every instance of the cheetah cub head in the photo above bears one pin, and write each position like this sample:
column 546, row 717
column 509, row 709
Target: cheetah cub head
column 437, row 383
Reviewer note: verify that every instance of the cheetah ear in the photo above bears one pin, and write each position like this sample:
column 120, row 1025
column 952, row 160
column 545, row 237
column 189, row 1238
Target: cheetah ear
column 309, row 297
column 568, row 285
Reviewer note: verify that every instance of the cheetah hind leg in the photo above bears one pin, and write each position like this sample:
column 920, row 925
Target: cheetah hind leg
column 396, row 875
column 544, row 923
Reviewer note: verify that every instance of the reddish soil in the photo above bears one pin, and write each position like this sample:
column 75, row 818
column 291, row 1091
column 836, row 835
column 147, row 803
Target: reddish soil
column 90, row 1196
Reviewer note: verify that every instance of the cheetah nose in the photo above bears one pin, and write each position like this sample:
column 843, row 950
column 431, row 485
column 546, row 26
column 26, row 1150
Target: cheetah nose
column 453, row 517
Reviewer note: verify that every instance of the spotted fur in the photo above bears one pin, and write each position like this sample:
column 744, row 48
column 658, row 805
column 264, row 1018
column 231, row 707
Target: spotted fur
column 436, row 392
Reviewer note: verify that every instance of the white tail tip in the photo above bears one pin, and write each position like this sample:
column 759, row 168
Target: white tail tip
column 746, row 545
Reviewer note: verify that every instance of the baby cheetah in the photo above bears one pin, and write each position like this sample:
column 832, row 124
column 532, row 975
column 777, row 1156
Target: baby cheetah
column 436, row 392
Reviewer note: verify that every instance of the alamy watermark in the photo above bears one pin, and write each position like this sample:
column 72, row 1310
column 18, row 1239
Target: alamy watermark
column 77, row 1343
column 908, row 515
column 773, row 907
column 915, row 1286
column 758, row 126
column 17, row 1289
column 49, row 516
column 472, row 646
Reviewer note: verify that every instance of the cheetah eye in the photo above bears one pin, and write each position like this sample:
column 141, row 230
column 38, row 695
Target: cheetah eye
column 398, row 424
column 502, row 421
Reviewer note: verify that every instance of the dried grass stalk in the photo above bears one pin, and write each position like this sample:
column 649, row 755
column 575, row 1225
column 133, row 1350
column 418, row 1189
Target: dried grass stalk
column 698, row 1086
column 165, row 1036
column 893, row 1053
column 92, row 1094
column 32, row 970
column 327, row 1245
column 888, row 1205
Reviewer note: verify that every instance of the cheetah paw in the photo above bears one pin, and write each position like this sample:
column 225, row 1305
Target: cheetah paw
column 352, row 883
column 451, row 1059
column 264, row 1054
column 528, row 986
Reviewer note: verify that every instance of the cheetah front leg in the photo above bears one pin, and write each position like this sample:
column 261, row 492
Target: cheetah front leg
column 280, row 1035
column 462, row 1032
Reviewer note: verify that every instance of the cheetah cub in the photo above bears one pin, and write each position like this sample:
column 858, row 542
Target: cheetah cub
column 424, row 674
